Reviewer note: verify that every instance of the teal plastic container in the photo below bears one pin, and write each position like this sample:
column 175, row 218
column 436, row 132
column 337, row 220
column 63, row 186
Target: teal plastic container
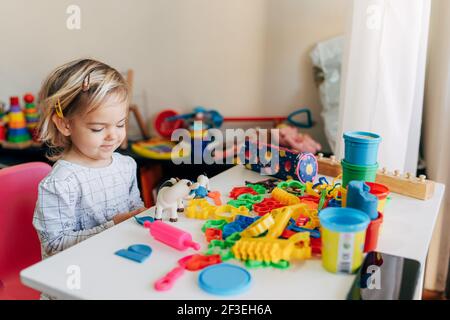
column 361, row 148
column 352, row 172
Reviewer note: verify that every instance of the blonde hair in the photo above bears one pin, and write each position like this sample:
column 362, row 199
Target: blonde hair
column 79, row 87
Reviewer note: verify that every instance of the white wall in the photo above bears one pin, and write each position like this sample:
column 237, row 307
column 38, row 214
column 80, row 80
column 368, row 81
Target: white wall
column 293, row 29
column 241, row 57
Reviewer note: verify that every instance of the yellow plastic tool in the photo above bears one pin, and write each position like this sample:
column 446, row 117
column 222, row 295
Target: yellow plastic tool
column 281, row 216
column 296, row 247
column 284, row 197
column 259, row 226
column 199, row 209
column 228, row 212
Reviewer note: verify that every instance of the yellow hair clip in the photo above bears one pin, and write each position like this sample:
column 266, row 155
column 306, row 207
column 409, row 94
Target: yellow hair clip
column 58, row 109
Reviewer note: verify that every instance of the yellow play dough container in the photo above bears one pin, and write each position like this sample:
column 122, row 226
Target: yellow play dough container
column 343, row 233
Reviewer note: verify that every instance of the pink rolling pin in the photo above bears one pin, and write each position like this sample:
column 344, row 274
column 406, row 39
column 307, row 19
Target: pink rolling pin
column 174, row 237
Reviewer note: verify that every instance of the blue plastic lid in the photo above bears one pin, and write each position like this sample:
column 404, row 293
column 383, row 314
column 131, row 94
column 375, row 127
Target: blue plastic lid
column 224, row 279
column 344, row 219
column 362, row 137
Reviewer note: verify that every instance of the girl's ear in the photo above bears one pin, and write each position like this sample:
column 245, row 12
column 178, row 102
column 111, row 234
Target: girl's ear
column 62, row 125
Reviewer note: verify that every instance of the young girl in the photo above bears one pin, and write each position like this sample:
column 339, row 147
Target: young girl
column 90, row 188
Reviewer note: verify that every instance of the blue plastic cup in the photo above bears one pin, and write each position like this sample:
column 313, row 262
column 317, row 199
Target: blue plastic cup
column 361, row 148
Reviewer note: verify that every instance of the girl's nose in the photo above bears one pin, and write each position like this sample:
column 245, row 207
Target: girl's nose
column 111, row 135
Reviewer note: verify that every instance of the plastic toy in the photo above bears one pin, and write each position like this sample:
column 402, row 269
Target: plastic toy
column 141, row 220
column 221, row 248
column 224, row 279
column 228, row 212
column 203, row 186
column 232, row 239
column 252, row 264
column 168, row 121
column 358, row 197
column 2, row 122
column 216, row 197
column 157, row 148
column 232, row 228
column 284, row 197
column 17, row 134
column 259, row 226
column 217, row 224
column 172, row 236
column 293, row 187
column 241, row 203
column 247, row 200
column 238, row 225
column 213, row 234
column 237, row 191
column 199, row 261
column 381, row 192
column 259, row 189
column 343, row 233
column 288, row 164
column 167, row 282
column 251, row 198
column 137, row 252
column 199, row 209
column 170, row 197
column 273, row 250
column 31, row 116
column 266, row 206
column 316, row 246
column 281, row 218
column 361, row 148
column 312, row 232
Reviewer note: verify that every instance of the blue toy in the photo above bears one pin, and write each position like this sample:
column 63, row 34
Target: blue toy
column 359, row 197
column 137, row 252
column 313, row 233
column 224, row 279
column 141, row 220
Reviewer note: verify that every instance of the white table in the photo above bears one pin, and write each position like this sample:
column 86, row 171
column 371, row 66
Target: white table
column 407, row 229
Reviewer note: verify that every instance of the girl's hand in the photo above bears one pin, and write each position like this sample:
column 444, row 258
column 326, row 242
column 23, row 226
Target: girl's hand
column 121, row 217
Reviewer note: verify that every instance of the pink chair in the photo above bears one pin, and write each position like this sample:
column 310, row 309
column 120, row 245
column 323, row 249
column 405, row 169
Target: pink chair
column 19, row 243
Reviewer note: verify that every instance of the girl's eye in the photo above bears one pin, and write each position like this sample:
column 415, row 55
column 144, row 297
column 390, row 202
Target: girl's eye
column 96, row 130
column 121, row 125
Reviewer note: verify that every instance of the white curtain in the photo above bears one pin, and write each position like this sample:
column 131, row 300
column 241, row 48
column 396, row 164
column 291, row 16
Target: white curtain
column 383, row 77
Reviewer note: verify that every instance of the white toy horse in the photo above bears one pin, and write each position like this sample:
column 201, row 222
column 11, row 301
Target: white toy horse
column 170, row 197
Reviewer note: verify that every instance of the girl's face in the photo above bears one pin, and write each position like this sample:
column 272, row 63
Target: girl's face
column 99, row 133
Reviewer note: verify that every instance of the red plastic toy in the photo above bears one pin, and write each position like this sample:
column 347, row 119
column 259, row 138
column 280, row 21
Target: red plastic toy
column 199, row 261
column 237, row 191
column 213, row 234
column 267, row 205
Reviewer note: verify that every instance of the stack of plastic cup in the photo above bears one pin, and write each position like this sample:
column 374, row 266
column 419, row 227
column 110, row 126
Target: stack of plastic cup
column 361, row 153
